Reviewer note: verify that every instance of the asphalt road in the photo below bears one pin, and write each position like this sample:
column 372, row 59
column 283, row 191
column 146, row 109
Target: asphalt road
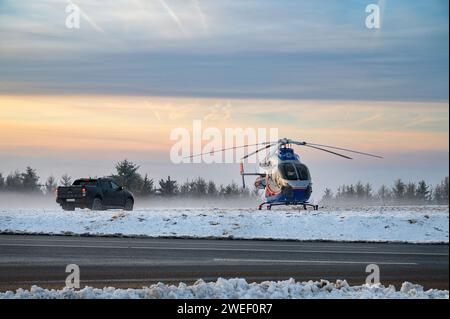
column 136, row 262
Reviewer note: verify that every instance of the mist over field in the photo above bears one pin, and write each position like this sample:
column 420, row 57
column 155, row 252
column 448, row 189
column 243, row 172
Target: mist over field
column 14, row 200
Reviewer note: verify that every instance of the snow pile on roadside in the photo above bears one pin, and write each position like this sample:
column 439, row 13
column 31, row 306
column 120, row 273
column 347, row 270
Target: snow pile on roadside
column 238, row 289
column 416, row 224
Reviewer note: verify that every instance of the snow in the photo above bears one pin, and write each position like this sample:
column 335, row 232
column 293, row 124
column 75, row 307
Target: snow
column 238, row 288
column 416, row 224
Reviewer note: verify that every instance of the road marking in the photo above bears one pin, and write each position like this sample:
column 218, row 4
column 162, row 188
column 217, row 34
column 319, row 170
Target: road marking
column 232, row 249
column 311, row 261
column 219, row 242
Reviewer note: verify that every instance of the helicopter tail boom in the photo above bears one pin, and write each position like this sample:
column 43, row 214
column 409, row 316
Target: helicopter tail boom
column 243, row 174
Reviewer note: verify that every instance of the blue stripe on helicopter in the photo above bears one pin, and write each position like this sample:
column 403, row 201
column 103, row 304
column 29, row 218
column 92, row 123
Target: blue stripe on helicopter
column 299, row 195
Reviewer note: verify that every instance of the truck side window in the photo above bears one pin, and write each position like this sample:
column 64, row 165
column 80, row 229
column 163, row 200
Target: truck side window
column 114, row 186
column 105, row 185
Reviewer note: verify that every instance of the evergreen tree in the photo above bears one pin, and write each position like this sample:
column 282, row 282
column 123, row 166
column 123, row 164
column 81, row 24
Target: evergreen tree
column 66, row 180
column 168, row 187
column 230, row 190
column 211, row 189
column 147, row 188
column 445, row 190
column 350, row 192
column 199, row 187
column 410, row 192
column 422, row 192
column 2, row 182
column 14, row 182
column 359, row 190
column 127, row 176
column 30, row 180
column 185, row 189
column 441, row 192
column 399, row 190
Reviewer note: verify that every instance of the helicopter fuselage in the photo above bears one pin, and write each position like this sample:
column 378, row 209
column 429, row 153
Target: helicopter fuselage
column 287, row 181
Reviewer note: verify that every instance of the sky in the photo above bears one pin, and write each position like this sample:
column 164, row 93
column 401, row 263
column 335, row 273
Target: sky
column 78, row 100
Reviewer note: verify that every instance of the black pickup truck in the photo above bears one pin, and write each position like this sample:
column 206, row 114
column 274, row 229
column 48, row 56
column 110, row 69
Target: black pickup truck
column 95, row 194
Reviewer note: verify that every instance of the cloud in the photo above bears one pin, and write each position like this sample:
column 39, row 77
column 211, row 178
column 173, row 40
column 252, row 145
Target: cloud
column 201, row 14
column 294, row 50
column 174, row 17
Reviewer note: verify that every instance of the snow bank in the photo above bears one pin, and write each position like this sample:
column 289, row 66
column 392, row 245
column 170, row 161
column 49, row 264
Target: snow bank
column 237, row 289
column 417, row 224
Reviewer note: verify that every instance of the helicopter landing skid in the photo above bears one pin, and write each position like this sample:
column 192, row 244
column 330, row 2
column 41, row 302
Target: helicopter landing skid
column 305, row 205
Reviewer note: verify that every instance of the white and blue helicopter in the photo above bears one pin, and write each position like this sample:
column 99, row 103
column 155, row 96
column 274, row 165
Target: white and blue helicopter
column 286, row 180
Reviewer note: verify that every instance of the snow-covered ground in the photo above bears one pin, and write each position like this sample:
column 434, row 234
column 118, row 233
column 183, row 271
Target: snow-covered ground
column 418, row 224
column 238, row 288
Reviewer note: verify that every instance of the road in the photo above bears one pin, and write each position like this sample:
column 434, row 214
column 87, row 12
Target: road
column 136, row 262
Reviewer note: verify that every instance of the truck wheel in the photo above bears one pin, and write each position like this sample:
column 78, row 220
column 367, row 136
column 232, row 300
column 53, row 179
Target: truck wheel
column 129, row 203
column 68, row 207
column 97, row 204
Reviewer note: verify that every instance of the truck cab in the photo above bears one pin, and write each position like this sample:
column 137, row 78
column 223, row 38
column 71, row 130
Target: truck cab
column 95, row 194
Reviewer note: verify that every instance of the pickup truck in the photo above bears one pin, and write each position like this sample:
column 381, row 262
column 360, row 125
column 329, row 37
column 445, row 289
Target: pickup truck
column 95, row 194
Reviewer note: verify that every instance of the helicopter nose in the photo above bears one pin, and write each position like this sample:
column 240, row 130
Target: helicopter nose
column 288, row 193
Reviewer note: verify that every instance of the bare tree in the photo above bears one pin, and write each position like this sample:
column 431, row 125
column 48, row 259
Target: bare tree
column 50, row 185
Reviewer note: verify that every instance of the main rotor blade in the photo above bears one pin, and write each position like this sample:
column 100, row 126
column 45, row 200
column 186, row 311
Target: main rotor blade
column 272, row 153
column 344, row 149
column 229, row 148
column 322, row 149
column 259, row 150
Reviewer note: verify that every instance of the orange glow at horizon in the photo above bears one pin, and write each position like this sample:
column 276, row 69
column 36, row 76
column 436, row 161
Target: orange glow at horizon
column 61, row 124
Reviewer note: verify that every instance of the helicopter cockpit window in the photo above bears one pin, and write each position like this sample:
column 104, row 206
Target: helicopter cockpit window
column 288, row 171
column 294, row 172
column 303, row 172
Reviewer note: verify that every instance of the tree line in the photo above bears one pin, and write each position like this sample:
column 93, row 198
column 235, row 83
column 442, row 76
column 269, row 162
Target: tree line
column 399, row 193
column 126, row 174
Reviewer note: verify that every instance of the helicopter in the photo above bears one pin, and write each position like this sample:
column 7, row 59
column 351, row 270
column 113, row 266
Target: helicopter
column 285, row 180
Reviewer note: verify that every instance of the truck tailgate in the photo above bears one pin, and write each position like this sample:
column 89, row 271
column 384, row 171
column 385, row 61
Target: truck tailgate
column 70, row 192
